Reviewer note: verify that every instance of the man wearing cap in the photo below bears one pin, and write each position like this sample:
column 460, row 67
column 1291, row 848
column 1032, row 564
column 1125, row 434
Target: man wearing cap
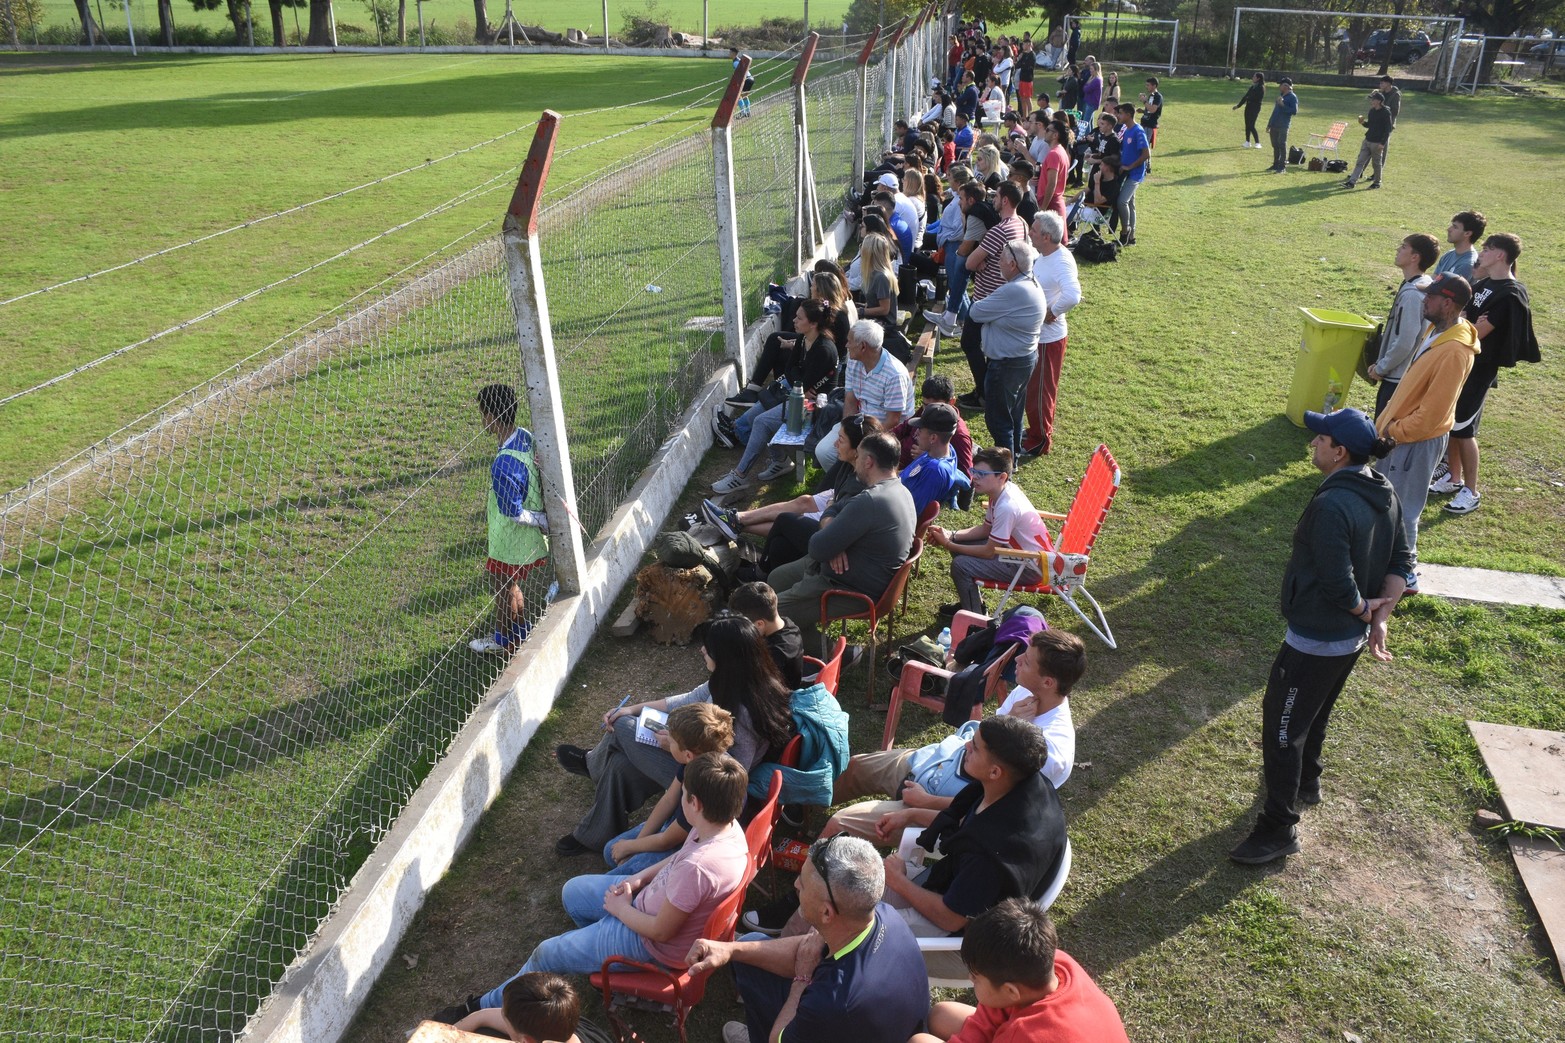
column 1283, row 110
column 1010, row 520
column 1422, row 410
column 1377, row 131
column 935, row 475
column 1351, row 560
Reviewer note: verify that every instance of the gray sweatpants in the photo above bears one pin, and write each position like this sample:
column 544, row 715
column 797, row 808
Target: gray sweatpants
column 626, row 774
column 1409, row 469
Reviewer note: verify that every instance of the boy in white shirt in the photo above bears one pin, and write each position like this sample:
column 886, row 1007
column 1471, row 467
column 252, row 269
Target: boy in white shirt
column 1009, row 521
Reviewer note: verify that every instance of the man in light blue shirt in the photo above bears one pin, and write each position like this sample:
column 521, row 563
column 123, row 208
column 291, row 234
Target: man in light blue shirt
column 1465, row 230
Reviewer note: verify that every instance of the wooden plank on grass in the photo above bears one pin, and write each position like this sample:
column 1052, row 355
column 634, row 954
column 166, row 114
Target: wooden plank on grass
column 628, row 622
column 1541, row 864
column 1528, row 766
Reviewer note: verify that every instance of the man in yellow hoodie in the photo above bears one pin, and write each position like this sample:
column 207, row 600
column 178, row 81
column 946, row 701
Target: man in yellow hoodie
column 1421, row 413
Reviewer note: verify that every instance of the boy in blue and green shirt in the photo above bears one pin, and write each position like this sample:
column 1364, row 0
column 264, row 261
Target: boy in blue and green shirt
column 517, row 522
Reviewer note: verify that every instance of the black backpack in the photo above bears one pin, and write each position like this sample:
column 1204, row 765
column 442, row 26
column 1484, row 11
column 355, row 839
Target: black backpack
column 1092, row 248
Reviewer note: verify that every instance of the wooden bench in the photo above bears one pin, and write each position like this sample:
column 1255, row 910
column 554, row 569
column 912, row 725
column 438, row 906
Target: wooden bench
column 1327, row 142
column 928, row 344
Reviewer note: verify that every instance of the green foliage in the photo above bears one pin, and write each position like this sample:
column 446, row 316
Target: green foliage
column 864, row 15
column 27, row 14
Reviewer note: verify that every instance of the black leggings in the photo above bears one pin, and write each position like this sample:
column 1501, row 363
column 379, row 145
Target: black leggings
column 788, row 541
column 1250, row 133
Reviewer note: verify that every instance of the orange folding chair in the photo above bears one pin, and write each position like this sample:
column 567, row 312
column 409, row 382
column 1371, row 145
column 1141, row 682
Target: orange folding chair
column 909, row 686
column 678, row 991
column 1064, row 565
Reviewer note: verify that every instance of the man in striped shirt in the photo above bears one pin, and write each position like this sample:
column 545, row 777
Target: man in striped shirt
column 985, row 262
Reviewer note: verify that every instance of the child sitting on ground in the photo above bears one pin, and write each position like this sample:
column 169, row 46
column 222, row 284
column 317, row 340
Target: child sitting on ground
column 536, row 1008
column 692, row 730
column 1027, row 989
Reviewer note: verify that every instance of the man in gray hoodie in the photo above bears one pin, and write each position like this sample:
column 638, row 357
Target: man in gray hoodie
column 1399, row 336
column 1349, row 566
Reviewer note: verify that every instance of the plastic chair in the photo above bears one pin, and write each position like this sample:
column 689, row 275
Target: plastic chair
column 1064, row 565
column 1045, row 900
column 909, row 686
column 678, row 990
column 826, row 673
column 874, row 611
column 926, row 518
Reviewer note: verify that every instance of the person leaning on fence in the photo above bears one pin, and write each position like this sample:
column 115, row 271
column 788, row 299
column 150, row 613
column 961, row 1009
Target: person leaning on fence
column 661, row 912
column 1027, row 989
column 517, row 522
column 856, row 974
column 863, row 546
column 1377, row 131
column 1400, row 333
column 1283, row 110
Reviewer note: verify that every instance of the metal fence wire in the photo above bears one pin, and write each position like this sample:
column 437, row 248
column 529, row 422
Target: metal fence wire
column 233, row 640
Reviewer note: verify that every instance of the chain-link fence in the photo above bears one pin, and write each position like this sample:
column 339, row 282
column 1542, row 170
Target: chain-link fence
column 233, row 640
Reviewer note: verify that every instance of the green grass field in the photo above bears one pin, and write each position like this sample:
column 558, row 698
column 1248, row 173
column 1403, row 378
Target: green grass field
column 243, row 540
column 446, row 16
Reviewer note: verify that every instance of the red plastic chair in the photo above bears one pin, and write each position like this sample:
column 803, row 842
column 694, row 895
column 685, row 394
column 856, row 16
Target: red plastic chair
column 925, row 520
column 679, row 990
column 864, row 607
column 827, row 673
column 909, row 686
column 1064, row 565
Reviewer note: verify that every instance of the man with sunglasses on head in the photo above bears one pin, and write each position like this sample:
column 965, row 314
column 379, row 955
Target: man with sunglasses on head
column 856, row 974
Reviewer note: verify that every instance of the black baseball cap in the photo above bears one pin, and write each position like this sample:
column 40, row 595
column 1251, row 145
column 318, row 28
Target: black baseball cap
column 1451, row 286
column 1285, row 80
column 937, row 417
column 1349, row 428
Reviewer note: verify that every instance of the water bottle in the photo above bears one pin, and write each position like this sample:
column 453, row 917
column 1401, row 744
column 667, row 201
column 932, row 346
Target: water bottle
column 1333, row 399
column 944, row 641
column 795, row 412
column 552, row 593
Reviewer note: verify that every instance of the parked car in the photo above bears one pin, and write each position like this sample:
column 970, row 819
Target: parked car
column 1540, row 51
column 1122, row 6
column 1410, row 46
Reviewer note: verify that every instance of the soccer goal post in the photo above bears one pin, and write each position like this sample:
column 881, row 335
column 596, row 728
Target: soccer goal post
column 1125, row 39
column 1291, row 40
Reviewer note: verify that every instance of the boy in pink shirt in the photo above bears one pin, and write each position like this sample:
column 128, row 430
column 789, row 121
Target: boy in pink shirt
column 659, row 913
column 1028, row 991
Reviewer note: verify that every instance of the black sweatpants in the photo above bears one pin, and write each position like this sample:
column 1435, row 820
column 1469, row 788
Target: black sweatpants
column 789, row 540
column 1299, row 696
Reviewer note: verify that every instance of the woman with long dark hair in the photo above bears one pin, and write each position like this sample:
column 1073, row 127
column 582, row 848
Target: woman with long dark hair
column 742, row 678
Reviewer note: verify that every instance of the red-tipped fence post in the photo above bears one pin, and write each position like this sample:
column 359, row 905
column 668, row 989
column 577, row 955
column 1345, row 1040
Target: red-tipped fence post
column 806, row 214
column 888, row 118
column 535, row 339
column 860, row 108
column 728, row 220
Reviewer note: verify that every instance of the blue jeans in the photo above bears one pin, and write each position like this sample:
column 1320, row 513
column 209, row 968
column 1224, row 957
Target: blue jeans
column 762, row 427
column 581, row 951
column 1005, row 391
column 956, row 282
column 763, row 993
column 635, row 863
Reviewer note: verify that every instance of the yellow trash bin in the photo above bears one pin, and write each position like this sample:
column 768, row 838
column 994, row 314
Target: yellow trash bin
column 1328, row 356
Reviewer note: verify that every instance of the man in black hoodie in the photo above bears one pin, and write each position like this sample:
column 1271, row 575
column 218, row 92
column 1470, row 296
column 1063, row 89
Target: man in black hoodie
column 1349, row 566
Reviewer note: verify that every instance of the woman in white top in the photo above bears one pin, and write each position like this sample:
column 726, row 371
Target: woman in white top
column 913, row 188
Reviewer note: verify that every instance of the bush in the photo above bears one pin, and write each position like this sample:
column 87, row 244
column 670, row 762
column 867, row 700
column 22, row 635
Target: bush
column 773, row 34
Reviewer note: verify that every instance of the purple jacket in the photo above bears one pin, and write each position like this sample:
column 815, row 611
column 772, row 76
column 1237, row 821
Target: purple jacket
column 1092, row 93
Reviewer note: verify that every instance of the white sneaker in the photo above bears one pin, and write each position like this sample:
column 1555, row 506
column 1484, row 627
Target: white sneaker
column 776, row 469
column 1464, row 502
column 1441, row 470
column 485, row 645
column 731, row 482
column 1444, row 486
column 944, row 319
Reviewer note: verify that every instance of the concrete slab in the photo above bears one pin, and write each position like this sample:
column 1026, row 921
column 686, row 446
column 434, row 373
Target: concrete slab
column 1528, row 766
column 1491, row 586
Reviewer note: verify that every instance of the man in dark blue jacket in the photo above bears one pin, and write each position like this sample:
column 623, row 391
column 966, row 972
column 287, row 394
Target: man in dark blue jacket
column 1350, row 565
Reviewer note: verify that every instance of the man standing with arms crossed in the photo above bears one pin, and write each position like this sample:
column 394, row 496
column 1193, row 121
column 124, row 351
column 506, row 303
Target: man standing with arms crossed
column 1349, row 565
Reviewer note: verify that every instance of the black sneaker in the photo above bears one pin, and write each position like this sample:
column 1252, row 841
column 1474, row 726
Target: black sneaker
column 723, row 431
column 569, row 847
column 1264, row 846
column 744, row 399
column 726, row 519
column 971, row 400
column 457, row 1011
column 1308, row 798
column 573, row 759
column 948, row 610
column 772, row 917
